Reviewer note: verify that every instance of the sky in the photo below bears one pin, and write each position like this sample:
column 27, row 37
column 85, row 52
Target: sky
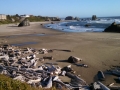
column 61, row 8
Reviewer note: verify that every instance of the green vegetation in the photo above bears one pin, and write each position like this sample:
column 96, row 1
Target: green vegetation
column 5, row 22
column 10, row 19
column 36, row 18
column 16, row 19
column 7, row 83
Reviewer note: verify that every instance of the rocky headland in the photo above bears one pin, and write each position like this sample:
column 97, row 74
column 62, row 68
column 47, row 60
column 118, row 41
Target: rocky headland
column 113, row 28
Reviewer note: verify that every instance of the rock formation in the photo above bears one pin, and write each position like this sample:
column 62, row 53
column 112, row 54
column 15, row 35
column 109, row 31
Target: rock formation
column 47, row 19
column 113, row 28
column 55, row 19
column 25, row 22
column 94, row 17
column 87, row 25
column 69, row 18
column 77, row 18
column 52, row 19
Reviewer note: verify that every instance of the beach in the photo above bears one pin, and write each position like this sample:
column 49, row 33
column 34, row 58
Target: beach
column 97, row 49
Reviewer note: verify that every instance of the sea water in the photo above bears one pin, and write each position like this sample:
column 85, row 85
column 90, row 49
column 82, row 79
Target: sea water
column 98, row 25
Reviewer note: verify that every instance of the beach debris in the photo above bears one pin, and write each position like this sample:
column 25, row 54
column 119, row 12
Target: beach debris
column 119, row 78
column 45, row 51
column 76, row 82
column 114, row 87
column 41, row 60
column 101, row 76
column 67, row 68
column 82, row 65
column 111, row 84
column 115, row 71
column 63, row 73
column 73, row 59
column 21, row 64
column 100, row 86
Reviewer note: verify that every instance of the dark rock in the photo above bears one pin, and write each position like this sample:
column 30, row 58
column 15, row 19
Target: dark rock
column 25, row 22
column 87, row 25
column 52, row 22
column 66, row 25
column 100, row 76
column 75, row 80
column 73, row 59
column 94, row 17
column 69, row 18
column 113, row 28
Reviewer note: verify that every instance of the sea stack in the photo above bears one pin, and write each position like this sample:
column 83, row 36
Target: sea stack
column 69, row 18
column 94, row 17
column 113, row 28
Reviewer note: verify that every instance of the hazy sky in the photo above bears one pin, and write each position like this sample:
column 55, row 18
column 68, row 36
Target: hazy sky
column 61, row 8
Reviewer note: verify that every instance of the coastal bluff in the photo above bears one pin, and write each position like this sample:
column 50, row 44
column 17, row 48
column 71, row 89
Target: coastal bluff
column 113, row 28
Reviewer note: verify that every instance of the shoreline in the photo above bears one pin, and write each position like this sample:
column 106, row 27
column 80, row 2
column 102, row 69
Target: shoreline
column 98, row 50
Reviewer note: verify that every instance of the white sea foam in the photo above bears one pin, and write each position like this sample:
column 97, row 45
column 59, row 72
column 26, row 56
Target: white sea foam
column 84, row 29
column 117, row 20
column 74, row 28
column 105, row 21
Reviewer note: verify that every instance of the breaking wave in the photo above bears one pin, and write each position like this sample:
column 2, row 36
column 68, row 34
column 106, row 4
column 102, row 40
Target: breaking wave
column 79, row 26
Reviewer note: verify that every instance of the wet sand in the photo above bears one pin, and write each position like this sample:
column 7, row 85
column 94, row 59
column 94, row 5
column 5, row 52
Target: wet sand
column 98, row 50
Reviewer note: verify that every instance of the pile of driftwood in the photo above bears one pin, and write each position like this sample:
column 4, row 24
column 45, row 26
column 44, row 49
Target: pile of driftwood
column 21, row 64
column 115, row 70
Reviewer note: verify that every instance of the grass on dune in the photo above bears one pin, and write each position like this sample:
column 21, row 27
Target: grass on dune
column 7, row 83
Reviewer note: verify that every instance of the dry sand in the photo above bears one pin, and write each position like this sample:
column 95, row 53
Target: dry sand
column 98, row 50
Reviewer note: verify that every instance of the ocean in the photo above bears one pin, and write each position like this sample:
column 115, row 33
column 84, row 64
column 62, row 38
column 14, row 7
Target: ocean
column 98, row 25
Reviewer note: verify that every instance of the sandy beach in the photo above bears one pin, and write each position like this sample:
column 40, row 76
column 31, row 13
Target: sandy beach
column 98, row 50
